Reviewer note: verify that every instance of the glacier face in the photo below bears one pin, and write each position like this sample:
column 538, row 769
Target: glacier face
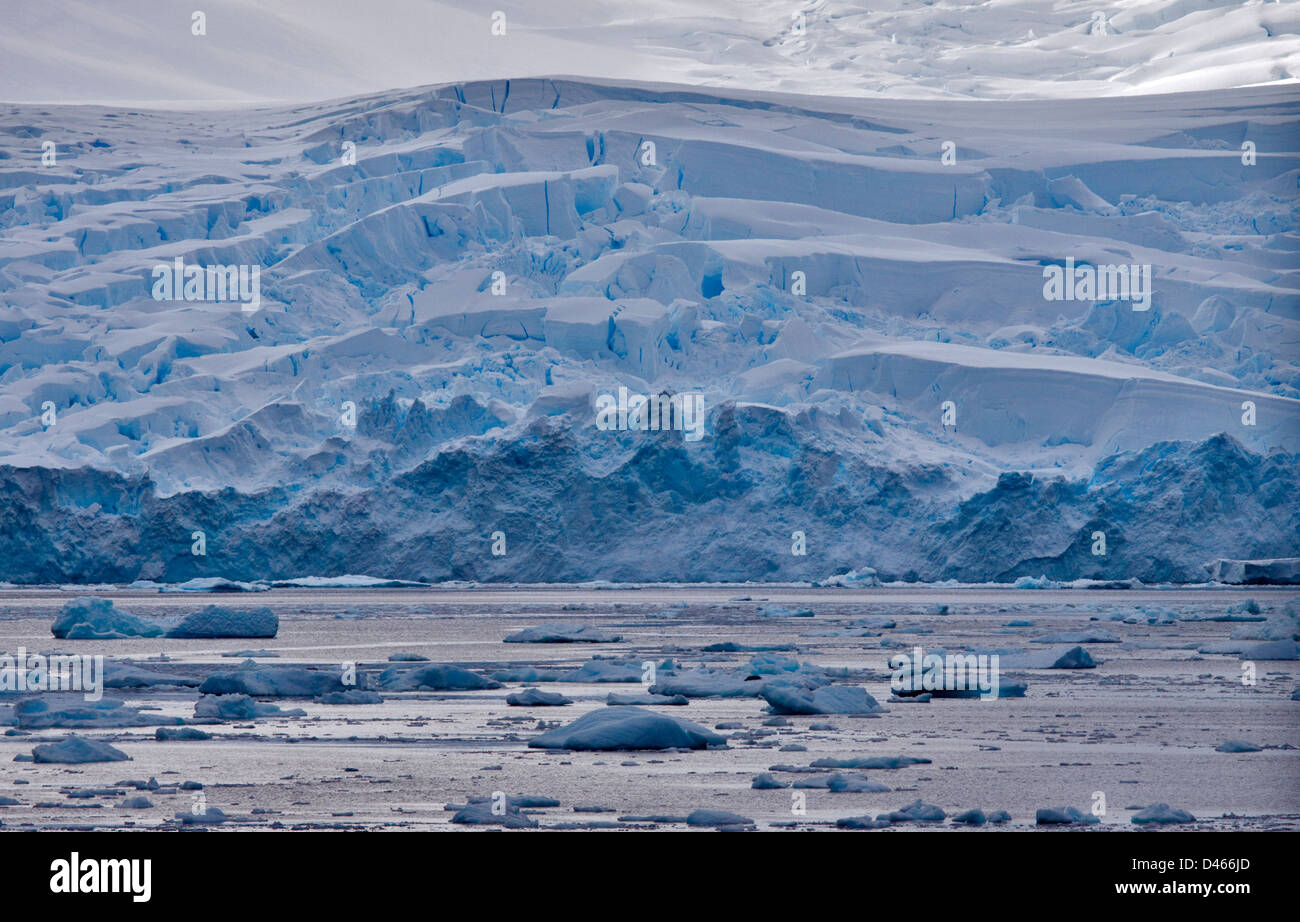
column 450, row 279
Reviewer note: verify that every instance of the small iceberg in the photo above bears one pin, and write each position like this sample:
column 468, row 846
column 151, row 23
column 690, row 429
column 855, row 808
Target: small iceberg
column 1064, row 816
column 829, row 699
column 628, row 728
column 436, row 677
column 78, row 750
column 1162, row 815
column 1237, row 746
column 563, row 632
column 218, row 621
column 536, row 698
column 93, row 618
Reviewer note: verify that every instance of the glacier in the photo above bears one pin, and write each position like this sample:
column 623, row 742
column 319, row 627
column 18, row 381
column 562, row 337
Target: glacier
column 414, row 396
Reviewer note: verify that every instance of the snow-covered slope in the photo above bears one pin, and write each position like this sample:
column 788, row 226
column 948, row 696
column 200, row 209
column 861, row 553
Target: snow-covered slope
column 502, row 253
column 146, row 52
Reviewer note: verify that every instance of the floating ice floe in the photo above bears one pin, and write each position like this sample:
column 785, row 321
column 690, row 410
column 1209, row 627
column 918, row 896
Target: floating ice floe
column 1271, row 650
column 1278, row 571
column 1059, row 658
column 128, row 675
column 78, row 750
column 179, row 734
column 239, row 707
column 215, row 621
column 614, row 699
column 829, row 699
column 535, row 697
column 766, row 781
column 1162, row 815
column 73, row 712
column 482, row 814
column 436, row 677
column 717, row 818
column 94, row 618
column 215, row 584
column 351, row 696
column 915, row 812
column 854, row 784
column 1064, row 816
column 1237, row 746
column 868, row 762
column 563, row 632
column 272, row 682
column 627, row 728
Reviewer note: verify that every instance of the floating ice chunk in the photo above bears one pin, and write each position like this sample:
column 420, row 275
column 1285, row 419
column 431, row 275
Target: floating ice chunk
column 181, row 733
column 93, row 618
column 704, row 684
column 1278, row 571
column 717, row 818
column 1059, row 658
column 855, row 784
column 407, row 658
column 1072, row 637
column 351, row 696
column 998, row 817
column 867, row 762
column 128, row 675
column 349, row 581
column 72, row 712
column 215, row 584
column 272, row 682
column 766, row 781
column 599, row 670
column 219, row 621
column 971, row 818
column 1271, row 650
column 829, row 699
column 78, row 750
column 535, row 697
column 138, row 802
column 438, row 677
column 1064, row 816
column 481, row 814
column 1035, row 582
column 628, row 728
column 915, row 812
column 614, row 699
column 778, row 612
column 861, row 577
column 1237, row 746
column 208, row 816
column 861, row 822
column 239, row 707
column 1162, row 814
column 563, row 632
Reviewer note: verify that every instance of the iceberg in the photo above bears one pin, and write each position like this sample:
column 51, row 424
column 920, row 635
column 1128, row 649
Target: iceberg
column 220, row 621
column 829, row 699
column 627, row 728
column 78, row 750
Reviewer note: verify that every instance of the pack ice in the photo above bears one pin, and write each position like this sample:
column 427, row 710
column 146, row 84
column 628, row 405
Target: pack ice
column 452, row 279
